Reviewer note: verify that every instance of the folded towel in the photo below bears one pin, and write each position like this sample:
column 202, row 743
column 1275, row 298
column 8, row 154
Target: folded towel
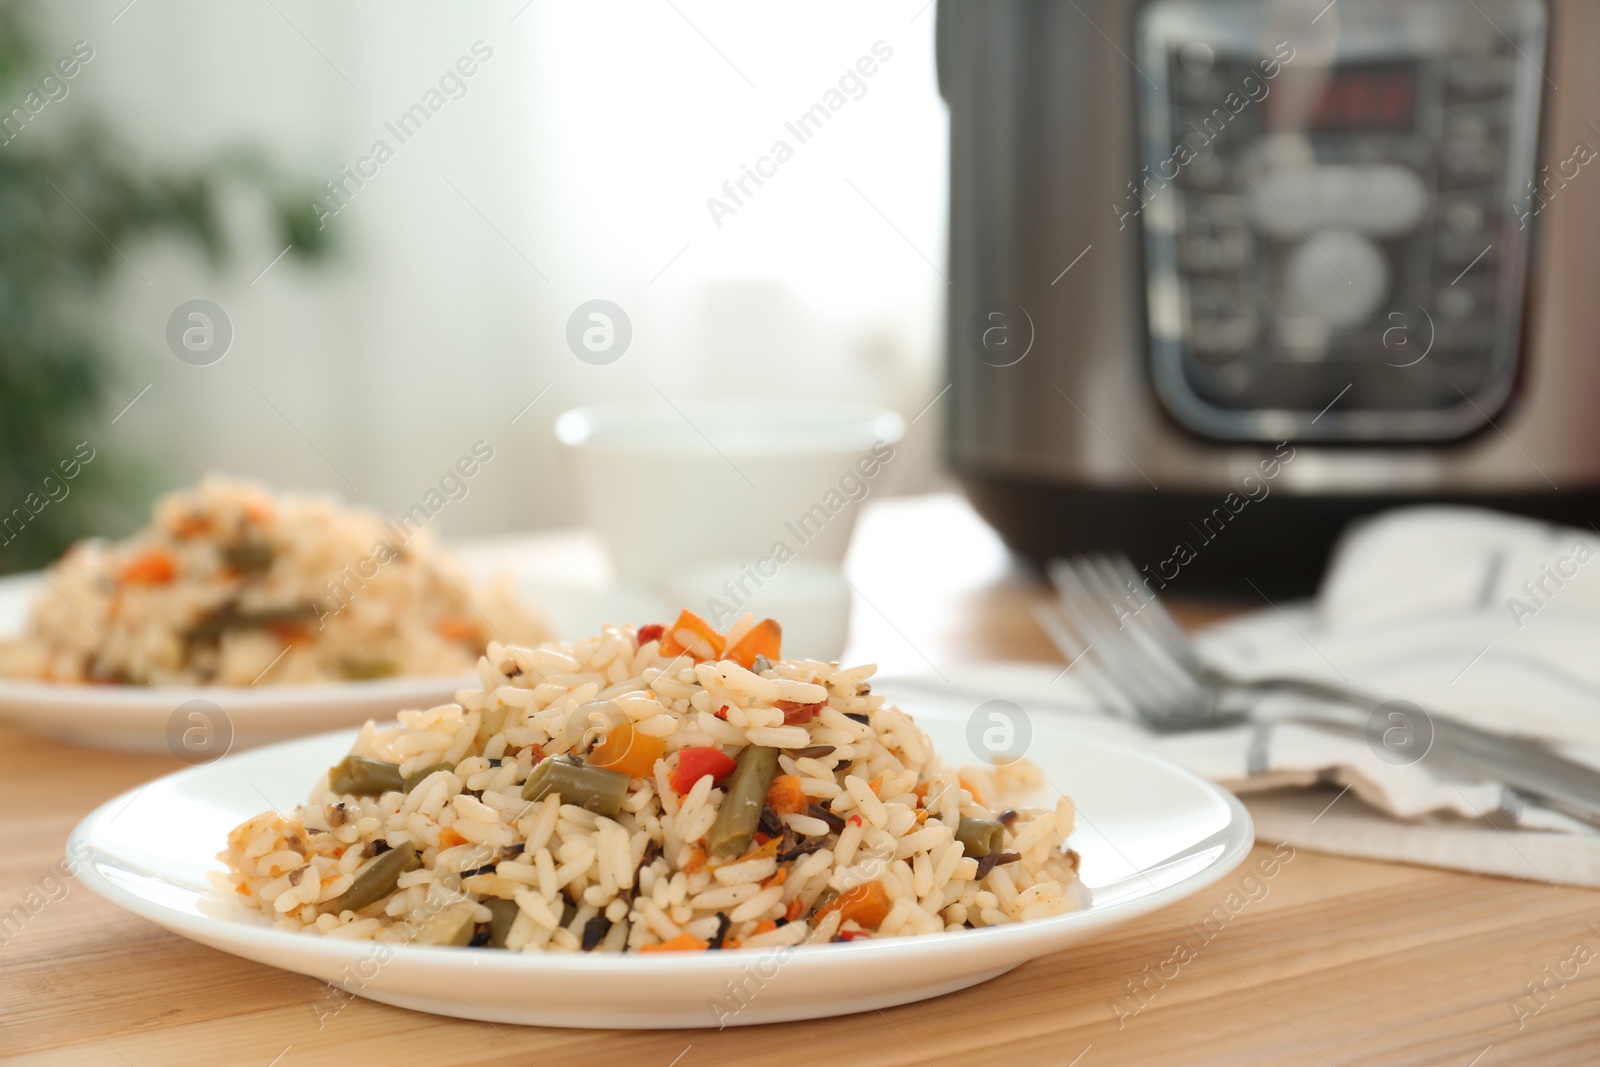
column 1491, row 619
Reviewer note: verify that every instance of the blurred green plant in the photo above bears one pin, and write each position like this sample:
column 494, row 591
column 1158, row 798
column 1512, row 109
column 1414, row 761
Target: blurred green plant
column 70, row 197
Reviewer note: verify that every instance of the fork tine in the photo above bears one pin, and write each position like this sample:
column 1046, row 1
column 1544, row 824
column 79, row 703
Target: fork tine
column 1159, row 660
column 1073, row 606
column 1160, row 620
column 1128, row 662
column 1071, row 644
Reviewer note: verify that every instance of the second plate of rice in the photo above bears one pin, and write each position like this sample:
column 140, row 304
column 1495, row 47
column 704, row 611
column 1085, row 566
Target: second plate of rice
column 265, row 614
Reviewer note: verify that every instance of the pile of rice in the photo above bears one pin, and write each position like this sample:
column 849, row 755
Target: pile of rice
column 558, row 877
column 232, row 584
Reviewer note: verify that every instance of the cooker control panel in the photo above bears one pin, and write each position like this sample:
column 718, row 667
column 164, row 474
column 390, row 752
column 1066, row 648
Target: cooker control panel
column 1335, row 211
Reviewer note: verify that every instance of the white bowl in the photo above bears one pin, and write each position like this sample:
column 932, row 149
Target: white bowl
column 672, row 484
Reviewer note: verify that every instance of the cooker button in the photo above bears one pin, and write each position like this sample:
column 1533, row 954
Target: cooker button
column 1464, row 217
column 1339, row 277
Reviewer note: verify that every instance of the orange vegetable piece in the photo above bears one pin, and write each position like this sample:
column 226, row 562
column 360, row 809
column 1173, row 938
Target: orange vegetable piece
column 778, row 879
column 458, row 629
column 876, row 785
column 629, row 751
column 766, row 926
column 692, row 634
column 867, row 904
column 763, row 850
column 796, row 908
column 697, row 860
column 154, row 567
column 764, row 639
column 191, row 524
column 969, row 787
column 448, row 838
column 681, row 943
column 786, row 797
column 291, row 634
column 795, row 714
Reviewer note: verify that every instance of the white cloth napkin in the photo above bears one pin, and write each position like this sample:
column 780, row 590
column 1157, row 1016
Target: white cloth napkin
column 1491, row 619
column 1488, row 618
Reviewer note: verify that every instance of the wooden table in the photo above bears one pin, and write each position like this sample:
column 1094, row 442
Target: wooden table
column 1343, row 962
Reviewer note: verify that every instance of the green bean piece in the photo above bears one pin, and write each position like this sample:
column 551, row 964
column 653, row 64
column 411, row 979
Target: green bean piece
column 377, row 881
column 248, row 557
column 981, row 836
column 363, row 777
column 213, row 626
column 502, row 913
column 450, row 925
column 744, row 797
column 593, row 788
column 416, row 778
column 365, row 670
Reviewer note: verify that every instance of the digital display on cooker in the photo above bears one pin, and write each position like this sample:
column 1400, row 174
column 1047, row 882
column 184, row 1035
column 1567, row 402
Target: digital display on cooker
column 1377, row 98
column 1335, row 214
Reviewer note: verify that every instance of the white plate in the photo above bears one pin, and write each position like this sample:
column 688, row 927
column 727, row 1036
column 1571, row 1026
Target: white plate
column 1149, row 833
column 165, row 718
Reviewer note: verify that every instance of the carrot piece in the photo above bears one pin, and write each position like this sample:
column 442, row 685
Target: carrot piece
column 681, row 943
column 448, row 838
column 697, row 861
column 969, row 787
column 786, row 797
column 766, row 926
column 154, row 567
column 867, row 904
column 191, row 524
column 761, row 850
column 290, row 634
column 921, row 791
column 796, row 908
column 764, row 639
column 922, row 816
column 876, row 785
column 453, row 628
column 692, row 634
column 629, row 751
column 777, row 879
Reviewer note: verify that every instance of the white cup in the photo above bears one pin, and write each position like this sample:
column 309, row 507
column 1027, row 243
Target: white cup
column 751, row 482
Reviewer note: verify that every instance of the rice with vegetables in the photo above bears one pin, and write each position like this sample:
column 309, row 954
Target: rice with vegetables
column 670, row 789
column 231, row 584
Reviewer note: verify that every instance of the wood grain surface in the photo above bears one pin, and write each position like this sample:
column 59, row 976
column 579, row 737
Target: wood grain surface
column 1334, row 961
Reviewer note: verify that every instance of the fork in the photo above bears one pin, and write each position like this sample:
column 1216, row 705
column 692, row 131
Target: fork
column 1135, row 656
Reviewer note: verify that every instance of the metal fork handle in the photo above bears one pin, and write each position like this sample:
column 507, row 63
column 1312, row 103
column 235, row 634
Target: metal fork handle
column 1527, row 765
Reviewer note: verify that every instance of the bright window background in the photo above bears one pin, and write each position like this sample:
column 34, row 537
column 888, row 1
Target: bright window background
column 583, row 150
